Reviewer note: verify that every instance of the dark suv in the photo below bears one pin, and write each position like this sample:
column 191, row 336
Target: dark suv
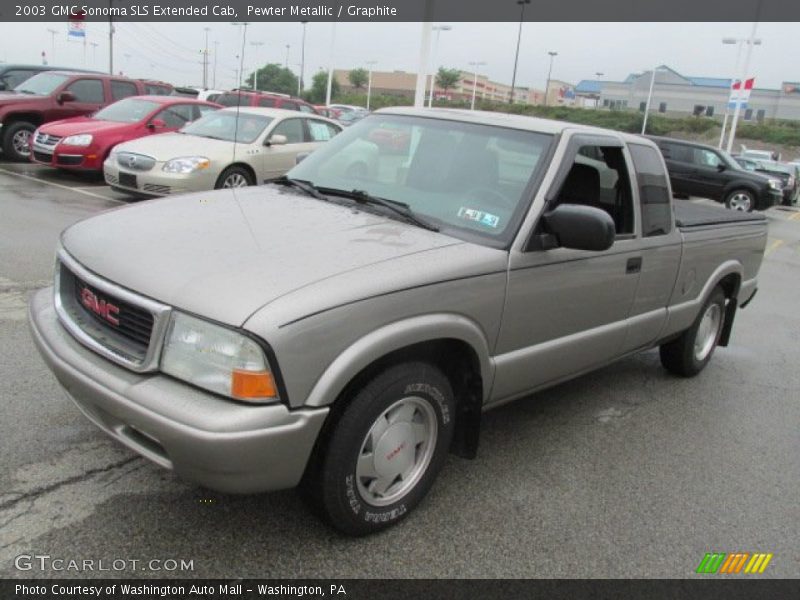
column 11, row 75
column 266, row 99
column 708, row 172
column 55, row 95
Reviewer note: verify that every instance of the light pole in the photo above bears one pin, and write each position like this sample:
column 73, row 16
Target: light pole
column 549, row 73
column 205, row 59
column 522, row 4
column 53, row 33
column 649, row 98
column 240, row 57
column 370, row 64
column 330, row 65
column 751, row 41
column 287, row 54
column 214, row 75
column 300, row 84
column 598, row 74
column 475, row 64
column 256, row 45
column 438, row 29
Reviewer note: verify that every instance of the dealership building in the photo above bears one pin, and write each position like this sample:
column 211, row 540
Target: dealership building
column 679, row 95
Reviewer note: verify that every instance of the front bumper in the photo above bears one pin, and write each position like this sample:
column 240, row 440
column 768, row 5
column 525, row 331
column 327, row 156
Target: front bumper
column 73, row 158
column 769, row 198
column 223, row 445
column 156, row 182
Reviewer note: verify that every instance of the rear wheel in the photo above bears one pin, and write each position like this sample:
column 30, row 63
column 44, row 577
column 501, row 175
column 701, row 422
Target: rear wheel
column 742, row 200
column 16, row 140
column 234, row 177
column 690, row 353
column 383, row 453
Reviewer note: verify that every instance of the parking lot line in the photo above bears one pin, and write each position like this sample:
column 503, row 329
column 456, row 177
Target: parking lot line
column 63, row 187
column 773, row 246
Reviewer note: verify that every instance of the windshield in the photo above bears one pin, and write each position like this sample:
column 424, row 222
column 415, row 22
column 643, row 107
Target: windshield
column 729, row 161
column 42, row 84
column 130, row 110
column 224, row 125
column 469, row 179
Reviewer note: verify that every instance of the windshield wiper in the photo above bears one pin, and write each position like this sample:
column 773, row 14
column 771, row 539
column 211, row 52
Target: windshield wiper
column 400, row 208
column 305, row 186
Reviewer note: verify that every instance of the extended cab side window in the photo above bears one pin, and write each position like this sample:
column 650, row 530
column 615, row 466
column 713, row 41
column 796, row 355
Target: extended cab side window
column 653, row 190
column 599, row 178
column 87, row 90
column 122, row 89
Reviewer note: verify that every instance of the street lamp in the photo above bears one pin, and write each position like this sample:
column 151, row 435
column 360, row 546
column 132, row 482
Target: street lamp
column 240, row 70
column 370, row 63
column 521, row 4
column 300, row 85
column 549, row 73
column 256, row 45
column 649, row 97
column 475, row 80
column 205, row 59
column 287, row 54
column 740, row 42
column 598, row 74
column 438, row 29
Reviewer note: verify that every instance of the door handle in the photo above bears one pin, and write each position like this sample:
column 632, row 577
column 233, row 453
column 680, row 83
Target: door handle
column 634, row 265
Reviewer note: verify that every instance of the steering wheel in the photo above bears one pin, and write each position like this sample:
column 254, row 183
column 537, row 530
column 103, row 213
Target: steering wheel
column 490, row 195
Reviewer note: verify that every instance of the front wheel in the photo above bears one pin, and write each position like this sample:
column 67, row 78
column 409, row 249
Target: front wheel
column 741, row 200
column 16, row 140
column 234, row 177
column 385, row 450
column 690, row 353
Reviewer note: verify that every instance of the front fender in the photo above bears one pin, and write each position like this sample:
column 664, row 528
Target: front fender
column 396, row 336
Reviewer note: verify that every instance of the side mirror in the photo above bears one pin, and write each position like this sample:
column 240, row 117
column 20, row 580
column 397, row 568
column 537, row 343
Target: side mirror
column 581, row 227
column 277, row 140
column 3, row 85
column 156, row 124
column 721, row 167
column 301, row 157
column 65, row 96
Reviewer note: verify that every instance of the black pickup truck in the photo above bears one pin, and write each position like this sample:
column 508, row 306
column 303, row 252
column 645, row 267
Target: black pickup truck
column 700, row 170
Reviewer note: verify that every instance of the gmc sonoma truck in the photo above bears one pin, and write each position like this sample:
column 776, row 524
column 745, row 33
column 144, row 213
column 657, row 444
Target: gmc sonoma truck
column 343, row 327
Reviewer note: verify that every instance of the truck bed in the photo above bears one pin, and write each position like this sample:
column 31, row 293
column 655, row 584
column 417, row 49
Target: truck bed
column 689, row 215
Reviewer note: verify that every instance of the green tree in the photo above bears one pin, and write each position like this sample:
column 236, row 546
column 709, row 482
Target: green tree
column 447, row 78
column 274, row 78
column 358, row 78
column 319, row 87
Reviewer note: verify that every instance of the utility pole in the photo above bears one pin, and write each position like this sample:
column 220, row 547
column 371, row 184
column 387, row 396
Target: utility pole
column 53, row 33
column 330, row 65
column 214, row 78
column 370, row 63
column 301, row 83
column 205, row 59
column 549, row 73
column 737, row 108
column 522, row 4
column 475, row 81
column 256, row 45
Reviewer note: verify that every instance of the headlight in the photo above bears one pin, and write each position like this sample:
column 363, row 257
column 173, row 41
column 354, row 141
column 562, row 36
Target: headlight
column 186, row 164
column 775, row 184
column 217, row 359
column 77, row 140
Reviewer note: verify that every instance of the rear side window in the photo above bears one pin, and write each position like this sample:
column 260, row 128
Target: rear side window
column 292, row 129
column 653, row 191
column 233, row 100
column 677, row 152
column 306, row 108
column 87, row 90
column 320, row 131
column 122, row 89
column 288, row 106
column 268, row 102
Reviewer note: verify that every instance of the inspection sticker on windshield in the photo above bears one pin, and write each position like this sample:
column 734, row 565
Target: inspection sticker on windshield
column 479, row 216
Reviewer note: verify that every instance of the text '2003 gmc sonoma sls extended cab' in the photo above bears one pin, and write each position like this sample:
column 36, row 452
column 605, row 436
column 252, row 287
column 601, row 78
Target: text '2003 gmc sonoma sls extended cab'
column 343, row 327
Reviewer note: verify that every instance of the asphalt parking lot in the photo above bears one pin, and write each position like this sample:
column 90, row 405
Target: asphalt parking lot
column 626, row 472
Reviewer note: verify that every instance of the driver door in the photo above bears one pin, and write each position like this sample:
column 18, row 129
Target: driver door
column 566, row 309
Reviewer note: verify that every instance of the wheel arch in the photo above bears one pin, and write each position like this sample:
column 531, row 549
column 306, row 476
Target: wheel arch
column 32, row 118
column 241, row 165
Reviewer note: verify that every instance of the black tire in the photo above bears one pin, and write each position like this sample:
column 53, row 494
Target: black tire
column 12, row 135
column 680, row 355
column 741, row 199
column 231, row 174
column 334, row 483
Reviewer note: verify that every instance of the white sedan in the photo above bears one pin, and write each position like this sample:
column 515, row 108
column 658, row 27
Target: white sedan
column 234, row 147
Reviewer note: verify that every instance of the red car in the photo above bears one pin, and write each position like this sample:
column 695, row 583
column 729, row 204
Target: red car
column 83, row 143
column 267, row 99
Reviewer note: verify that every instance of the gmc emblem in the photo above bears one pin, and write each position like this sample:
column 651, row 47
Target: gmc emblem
column 104, row 309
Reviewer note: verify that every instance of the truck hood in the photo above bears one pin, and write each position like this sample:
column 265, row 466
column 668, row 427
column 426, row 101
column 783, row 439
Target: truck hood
column 166, row 146
column 79, row 125
column 7, row 98
column 225, row 254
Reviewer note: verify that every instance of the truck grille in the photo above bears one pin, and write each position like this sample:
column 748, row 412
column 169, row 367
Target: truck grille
column 45, row 139
column 110, row 320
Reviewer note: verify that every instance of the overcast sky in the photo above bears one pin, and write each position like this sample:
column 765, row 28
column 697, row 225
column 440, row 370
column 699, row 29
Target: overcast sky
column 171, row 51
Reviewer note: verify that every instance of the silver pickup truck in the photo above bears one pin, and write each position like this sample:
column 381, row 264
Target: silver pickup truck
column 343, row 328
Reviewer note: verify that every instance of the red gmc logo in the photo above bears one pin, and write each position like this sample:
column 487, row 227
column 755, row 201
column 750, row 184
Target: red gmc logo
column 100, row 307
